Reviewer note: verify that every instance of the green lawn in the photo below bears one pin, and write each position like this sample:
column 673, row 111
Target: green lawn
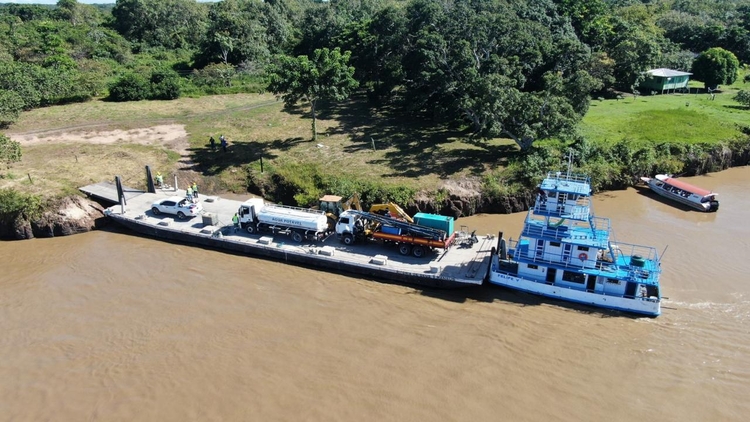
column 689, row 118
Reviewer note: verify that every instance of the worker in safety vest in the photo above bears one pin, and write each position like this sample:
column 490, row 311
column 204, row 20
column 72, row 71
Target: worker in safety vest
column 195, row 190
column 236, row 222
column 189, row 193
column 159, row 179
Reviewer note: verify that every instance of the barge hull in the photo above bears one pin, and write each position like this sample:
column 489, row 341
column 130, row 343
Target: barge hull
column 309, row 258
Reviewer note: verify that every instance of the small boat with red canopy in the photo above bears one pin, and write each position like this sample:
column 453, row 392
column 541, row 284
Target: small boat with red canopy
column 683, row 192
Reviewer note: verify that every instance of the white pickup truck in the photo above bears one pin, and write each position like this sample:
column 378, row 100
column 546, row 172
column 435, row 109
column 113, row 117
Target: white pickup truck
column 176, row 205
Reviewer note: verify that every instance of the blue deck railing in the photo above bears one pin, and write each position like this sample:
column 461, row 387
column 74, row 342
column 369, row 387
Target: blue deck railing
column 630, row 262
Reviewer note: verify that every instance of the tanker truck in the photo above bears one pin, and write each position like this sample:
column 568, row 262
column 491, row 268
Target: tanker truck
column 256, row 216
column 410, row 238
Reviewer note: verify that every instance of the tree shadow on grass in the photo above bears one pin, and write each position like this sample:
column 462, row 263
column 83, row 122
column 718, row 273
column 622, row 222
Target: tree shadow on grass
column 418, row 147
column 737, row 107
column 211, row 162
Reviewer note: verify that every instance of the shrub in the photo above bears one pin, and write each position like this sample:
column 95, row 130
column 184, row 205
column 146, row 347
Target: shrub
column 304, row 184
column 165, row 85
column 214, row 75
column 10, row 151
column 130, row 87
column 14, row 205
column 743, row 97
column 11, row 105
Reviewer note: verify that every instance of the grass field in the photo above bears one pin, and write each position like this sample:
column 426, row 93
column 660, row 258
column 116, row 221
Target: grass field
column 688, row 118
column 354, row 140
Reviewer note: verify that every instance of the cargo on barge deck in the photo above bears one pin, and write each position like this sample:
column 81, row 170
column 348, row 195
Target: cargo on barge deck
column 464, row 264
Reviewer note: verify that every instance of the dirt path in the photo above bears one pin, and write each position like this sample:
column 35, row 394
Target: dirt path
column 173, row 137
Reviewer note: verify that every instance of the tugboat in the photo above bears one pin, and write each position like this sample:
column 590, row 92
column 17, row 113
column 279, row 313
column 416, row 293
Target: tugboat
column 565, row 252
column 683, row 192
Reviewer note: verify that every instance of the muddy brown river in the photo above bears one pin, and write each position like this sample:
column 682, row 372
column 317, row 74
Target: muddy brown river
column 109, row 326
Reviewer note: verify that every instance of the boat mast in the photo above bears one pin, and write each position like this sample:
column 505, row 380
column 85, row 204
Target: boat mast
column 570, row 162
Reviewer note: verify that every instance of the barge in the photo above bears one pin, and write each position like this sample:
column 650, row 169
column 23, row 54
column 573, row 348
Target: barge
column 465, row 263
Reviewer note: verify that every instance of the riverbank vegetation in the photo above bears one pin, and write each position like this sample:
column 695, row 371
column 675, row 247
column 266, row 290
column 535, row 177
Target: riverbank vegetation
column 457, row 102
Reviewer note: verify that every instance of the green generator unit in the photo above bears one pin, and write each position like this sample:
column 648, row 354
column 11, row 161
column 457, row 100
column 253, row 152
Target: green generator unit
column 435, row 221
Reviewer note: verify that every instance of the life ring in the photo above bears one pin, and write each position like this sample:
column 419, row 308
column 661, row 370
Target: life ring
column 582, row 256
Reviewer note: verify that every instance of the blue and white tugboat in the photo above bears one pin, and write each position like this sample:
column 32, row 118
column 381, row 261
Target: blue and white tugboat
column 565, row 252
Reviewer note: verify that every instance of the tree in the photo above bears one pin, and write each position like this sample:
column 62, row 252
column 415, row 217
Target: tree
column 10, row 151
column 508, row 68
column 326, row 76
column 241, row 31
column 496, row 108
column 635, row 52
column 743, row 97
column 590, row 18
column 68, row 10
column 716, row 66
column 226, row 44
column 160, row 23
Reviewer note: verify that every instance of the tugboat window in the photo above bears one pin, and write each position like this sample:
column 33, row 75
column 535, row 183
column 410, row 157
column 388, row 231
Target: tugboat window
column 613, row 281
column 574, row 277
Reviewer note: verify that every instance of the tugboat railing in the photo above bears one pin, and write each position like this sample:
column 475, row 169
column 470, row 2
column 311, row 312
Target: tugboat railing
column 597, row 229
column 568, row 177
column 639, row 263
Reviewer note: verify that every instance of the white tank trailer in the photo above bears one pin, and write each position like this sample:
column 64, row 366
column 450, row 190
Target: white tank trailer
column 256, row 216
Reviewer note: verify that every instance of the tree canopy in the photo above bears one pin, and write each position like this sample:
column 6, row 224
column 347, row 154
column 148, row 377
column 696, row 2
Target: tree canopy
column 325, row 76
column 716, row 66
column 521, row 69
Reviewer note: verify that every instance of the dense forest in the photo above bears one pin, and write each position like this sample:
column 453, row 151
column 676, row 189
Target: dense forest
column 514, row 68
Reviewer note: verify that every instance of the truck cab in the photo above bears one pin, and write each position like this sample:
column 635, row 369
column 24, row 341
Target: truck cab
column 349, row 227
column 248, row 213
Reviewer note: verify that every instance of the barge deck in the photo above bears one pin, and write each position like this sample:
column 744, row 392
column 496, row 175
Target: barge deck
column 463, row 264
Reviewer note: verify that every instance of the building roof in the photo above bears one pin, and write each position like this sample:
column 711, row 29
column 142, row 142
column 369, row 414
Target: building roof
column 667, row 73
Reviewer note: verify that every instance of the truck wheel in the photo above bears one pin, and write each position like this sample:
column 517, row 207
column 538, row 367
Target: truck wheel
column 250, row 228
column 180, row 215
column 404, row 249
column 297, row 237
column 155, row 211
column 348, row 239
column 417, row 251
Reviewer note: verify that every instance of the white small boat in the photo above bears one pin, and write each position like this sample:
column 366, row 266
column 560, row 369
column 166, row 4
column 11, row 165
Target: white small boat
column 683, row 192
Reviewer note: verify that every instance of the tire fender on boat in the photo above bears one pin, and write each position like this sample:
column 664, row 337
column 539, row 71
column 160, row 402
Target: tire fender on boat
column 582, row 256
